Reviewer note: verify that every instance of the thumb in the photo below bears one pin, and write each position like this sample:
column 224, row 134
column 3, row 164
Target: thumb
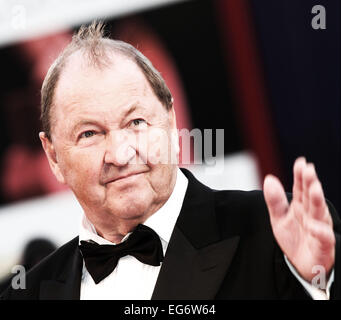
column 275, row 197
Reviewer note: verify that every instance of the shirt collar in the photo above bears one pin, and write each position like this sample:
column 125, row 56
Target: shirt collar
column 162, row 221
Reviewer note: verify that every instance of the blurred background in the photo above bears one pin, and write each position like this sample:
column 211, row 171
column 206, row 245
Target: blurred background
column 255, row 68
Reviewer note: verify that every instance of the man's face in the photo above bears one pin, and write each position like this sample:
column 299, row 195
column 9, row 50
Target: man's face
column 106, row 127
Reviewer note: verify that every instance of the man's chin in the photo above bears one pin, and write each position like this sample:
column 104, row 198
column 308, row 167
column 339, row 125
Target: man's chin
column 130, row 209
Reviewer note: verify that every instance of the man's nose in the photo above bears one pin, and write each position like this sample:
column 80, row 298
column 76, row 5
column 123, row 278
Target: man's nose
column 119, row 149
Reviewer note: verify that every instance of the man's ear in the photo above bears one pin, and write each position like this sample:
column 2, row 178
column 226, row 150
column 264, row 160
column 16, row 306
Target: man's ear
column 174, row 132
column 51, row 156
column 172, row 118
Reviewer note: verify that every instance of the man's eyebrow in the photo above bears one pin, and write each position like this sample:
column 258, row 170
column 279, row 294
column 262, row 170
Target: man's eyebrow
column 125, row 114
column 131, row 109
column 81, row 123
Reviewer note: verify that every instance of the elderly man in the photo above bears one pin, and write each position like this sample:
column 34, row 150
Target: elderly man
column 150, row 229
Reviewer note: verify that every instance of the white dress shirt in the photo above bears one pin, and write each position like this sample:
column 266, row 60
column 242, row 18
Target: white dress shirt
column 134, row 280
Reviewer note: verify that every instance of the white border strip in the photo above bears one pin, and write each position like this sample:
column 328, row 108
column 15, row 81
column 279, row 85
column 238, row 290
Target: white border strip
column 25, row 19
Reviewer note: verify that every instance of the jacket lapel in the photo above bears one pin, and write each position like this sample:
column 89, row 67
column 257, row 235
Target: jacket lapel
column 197, row 259
column 190, row 273
column 66, row 285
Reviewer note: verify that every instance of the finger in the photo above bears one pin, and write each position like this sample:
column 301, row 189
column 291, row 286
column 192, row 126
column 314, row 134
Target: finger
column 309, row 176
column 297, row 189
column 275, row 197
column 299, row 212
column 318, row 207
column 323, row 233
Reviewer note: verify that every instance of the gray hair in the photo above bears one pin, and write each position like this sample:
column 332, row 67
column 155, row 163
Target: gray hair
column 97, row 48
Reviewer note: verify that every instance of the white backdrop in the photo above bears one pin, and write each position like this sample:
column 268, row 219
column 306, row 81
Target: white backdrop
column 25, row 19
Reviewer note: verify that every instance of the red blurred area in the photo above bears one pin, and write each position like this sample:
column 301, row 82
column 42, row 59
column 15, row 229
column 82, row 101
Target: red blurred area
column 25, row 170
column 254, row 109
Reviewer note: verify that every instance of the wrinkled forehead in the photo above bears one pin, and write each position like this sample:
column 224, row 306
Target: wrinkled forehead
column 79, row 66
column 81, row 78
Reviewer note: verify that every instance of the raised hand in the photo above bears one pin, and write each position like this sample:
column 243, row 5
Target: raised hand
column 303, row 228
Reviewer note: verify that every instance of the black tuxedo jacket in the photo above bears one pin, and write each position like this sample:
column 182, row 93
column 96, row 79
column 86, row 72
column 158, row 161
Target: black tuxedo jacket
column 222, row 247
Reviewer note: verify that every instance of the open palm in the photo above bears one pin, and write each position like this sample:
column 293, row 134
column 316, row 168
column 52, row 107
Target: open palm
column 303, row 228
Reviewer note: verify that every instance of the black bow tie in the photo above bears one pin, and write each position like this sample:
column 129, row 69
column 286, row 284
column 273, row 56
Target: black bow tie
column 100, row 260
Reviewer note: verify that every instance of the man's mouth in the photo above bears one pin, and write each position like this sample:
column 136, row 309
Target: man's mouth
column 124, row 176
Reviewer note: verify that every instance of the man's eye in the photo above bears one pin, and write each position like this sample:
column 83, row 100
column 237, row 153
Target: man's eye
column 87, row 134
column 138, row 122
